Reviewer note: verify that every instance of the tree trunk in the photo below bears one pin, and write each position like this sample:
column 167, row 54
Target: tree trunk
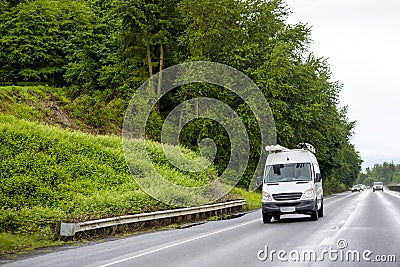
column 149, row 64
column 160, row 74
column 161, row 70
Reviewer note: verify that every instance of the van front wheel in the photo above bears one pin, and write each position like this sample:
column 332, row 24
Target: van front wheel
column 321, row 210
column 266, row 218
column 314, row 214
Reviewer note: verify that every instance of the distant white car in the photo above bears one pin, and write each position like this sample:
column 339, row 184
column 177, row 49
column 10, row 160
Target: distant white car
column 355, row 188
column 377, row 186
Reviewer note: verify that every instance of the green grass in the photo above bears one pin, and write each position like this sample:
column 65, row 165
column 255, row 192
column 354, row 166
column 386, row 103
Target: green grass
column 50, row 173
column 253, row 199
column 12, row 243
column 50, row 167
column 53, row 106
column 32, row 103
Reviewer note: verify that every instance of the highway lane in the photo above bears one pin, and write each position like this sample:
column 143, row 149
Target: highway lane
column 365, row 224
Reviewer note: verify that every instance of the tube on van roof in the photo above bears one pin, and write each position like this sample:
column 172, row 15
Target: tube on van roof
column 279, row 148
column 276, row 148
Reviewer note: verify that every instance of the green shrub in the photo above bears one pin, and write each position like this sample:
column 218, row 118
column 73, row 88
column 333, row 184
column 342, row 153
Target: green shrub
column 331, row 187
column 90, row 110
column 63, row 174
column 31, row 220
column 49, row 175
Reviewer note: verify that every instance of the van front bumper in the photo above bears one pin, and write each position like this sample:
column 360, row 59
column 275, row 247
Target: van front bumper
column 277, row 208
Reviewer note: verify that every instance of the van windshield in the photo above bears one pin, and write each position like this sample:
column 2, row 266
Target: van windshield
column 288, row 172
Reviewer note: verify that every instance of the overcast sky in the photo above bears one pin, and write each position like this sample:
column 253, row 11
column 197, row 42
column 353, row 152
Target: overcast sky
column 361, row 39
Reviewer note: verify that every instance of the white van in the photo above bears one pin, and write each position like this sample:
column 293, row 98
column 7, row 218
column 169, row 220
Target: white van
column 292, row 183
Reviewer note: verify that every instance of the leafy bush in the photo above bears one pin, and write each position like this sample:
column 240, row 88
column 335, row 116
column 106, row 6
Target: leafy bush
column 332, row 186
column 90, row 110
column 49, row 174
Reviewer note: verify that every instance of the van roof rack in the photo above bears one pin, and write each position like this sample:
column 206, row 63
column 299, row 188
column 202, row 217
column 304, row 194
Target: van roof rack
column 306, row 146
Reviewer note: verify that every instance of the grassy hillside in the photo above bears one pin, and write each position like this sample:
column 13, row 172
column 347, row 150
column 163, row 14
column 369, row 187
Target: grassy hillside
column 50, row 173
column 37, row 103
column 92, row 114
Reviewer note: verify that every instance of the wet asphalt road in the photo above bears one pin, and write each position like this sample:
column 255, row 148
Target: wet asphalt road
column 358, row 229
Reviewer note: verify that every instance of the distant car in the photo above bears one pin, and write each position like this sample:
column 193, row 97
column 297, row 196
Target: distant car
column 357, row 188
column 377, row 186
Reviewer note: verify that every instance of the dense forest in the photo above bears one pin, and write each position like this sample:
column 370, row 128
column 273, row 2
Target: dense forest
column 387, row 173
column 100, row 52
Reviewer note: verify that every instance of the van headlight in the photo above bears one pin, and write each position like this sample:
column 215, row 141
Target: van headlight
column 308, row 194
column 266, row 196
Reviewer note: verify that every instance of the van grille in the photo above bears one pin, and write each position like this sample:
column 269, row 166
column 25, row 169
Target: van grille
column 287, row 196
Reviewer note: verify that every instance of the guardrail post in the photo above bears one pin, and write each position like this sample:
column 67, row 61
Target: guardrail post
column 67, row 229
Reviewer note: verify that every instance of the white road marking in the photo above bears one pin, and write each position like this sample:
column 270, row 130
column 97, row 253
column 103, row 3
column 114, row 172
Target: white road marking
column 337, row 195
column 179, row 243
column 326, row 241
column 328, row 202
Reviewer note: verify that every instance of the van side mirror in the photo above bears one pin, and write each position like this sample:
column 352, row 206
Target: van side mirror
column 318, row 177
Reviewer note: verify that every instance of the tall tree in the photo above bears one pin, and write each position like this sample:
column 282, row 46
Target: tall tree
column 33, row 36
column 147, row 28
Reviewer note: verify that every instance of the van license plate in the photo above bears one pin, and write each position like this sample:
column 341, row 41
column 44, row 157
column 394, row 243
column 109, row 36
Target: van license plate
column 287, row 209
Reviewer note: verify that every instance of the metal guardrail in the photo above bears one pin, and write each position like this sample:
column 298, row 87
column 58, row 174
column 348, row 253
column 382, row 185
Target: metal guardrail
column 70, row 229
column 394, row 187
